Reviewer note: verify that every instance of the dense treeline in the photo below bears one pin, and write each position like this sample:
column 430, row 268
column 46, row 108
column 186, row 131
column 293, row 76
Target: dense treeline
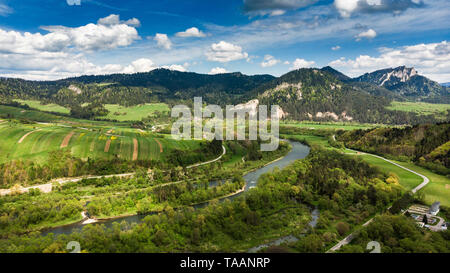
column 23, row 213
column 132, row 89
column 427, row 144
column 313, row 91
column 206, row 151
column 148, row 191
column 399, row 234
column 61, row 163
column 346, row 190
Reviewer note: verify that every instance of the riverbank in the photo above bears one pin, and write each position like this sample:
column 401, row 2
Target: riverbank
column 135, row 215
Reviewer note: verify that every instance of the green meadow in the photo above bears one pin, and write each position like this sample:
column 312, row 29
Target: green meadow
column 437, row 190
column 19, row 113
column 45, row 107
column 133, row 113
column 439, row 187
column 329, row 125
column 421, row 108
column 35, row 141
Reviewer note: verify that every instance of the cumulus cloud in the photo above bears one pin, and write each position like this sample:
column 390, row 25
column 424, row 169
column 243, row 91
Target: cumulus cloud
column 49, row 66
column 431, row 60
column 114, row 19
column 90, row 37
column 13, row 42
column 269, row 61
column 60, row 65
column 368, row 34
column 274, row 7
column 217, row 70
column 176, row 67
column 347, row 7
column 93, row 37
column 140, row 65
column 62, row 51
column 225, row 52
column 301, row 63
column 163, row 41
column 191, row 32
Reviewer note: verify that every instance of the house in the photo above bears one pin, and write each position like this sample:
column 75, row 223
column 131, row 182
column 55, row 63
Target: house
column 434, row 209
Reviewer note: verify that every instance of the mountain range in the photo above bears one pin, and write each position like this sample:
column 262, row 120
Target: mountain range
column 314, row 94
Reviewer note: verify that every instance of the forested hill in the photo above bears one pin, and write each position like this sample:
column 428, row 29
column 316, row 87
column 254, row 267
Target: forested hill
column 314, row 94
column 408, row 83
column 427, row 144
column 304, row 94
column 156, row 85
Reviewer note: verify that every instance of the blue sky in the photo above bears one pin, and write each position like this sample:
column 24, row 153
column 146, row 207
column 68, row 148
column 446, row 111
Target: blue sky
column 52, row 39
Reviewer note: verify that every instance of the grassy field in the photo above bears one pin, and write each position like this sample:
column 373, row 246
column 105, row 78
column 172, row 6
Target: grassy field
column 121, row 113
column 48, row 107
column 328, row 125
column 439, row 187
column 35, row 141
column 407, row 179
column 421, row 108
column 19, row 113
column 437, row 190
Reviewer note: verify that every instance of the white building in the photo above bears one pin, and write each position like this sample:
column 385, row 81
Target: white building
column 434, row 209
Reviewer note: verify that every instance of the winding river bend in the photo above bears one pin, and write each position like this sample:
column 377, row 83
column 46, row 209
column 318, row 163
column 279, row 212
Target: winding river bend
column 299, row 151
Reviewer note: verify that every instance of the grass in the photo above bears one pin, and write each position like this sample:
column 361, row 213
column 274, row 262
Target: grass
column 437, row 190
column 88, row 142
column 407, row 179
column 47, row 107
column 28, row 114
column 328, row 125
column 421, row 108
column 133, row 113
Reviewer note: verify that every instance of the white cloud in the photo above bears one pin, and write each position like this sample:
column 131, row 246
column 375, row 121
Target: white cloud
column 114, row 19
column 277, row 12
column 431, row 60
column 163, row 41
column 176, row 67
column 369, row 34
column 217, row 70
column 140, row 65
column 301, row 63
column 269, row 61
column 191, row 32
column 62, row 65
column 5, row 10
column 335, row 48
column 94, row 37
column 13, row 42
column 347, row 7
column 225, row 52
column 90, row 37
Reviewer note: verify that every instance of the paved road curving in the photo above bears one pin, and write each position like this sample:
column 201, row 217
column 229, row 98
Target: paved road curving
column 350, row 237
column 46, row 188
column 211, row 161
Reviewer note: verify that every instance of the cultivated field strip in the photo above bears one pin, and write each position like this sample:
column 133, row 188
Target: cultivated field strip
column 86, row 143
column 27, row 134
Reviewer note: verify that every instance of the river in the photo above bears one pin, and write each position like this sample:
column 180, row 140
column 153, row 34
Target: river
column 299, row 151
